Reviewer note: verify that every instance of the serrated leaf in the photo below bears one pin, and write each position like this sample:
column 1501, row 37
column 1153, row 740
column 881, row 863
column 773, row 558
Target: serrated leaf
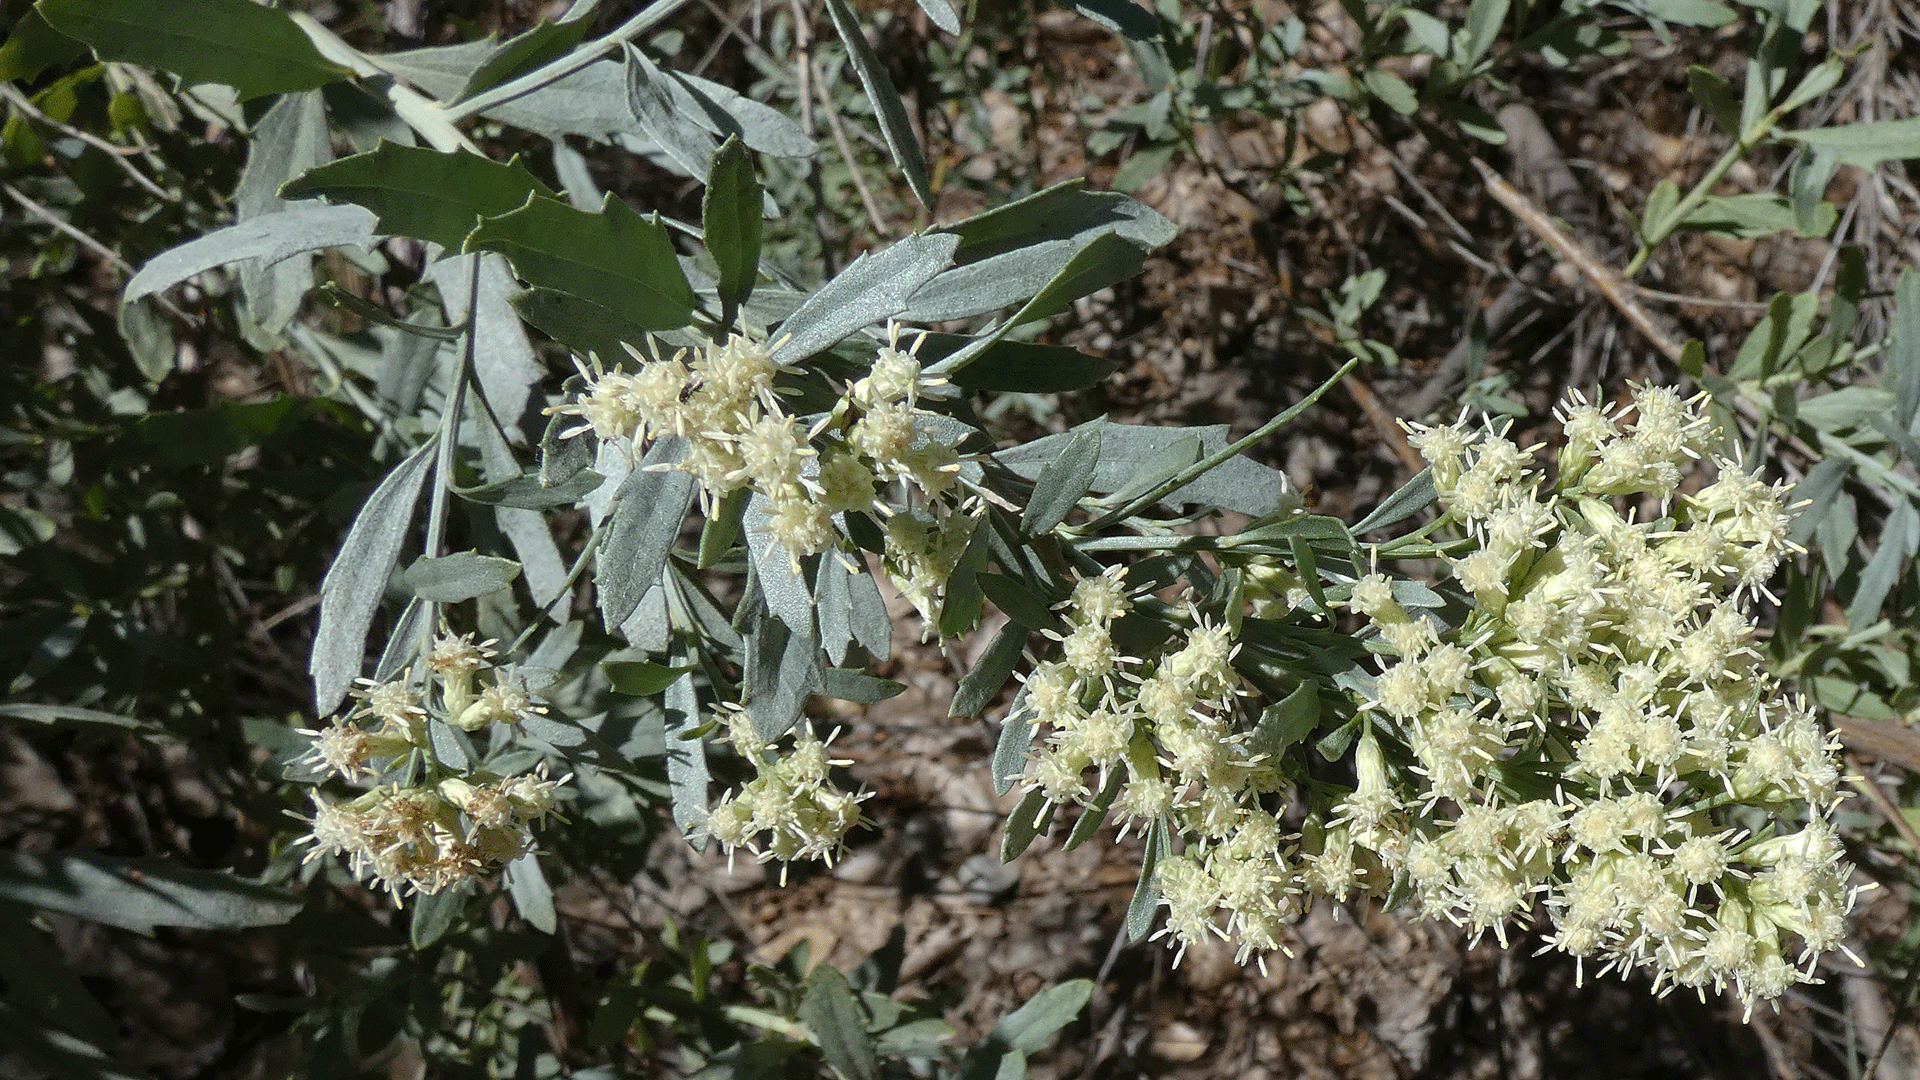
column 646, row 514
column 139, row 894
column 267, row 239
column 256, row 50
column 357, row 579
column 982, row 682
column 888, row 109
column 730, row 221
column 420, row 192
column 838, row 1024
column 1062, row 482
column 450, row 579
column 641, row 678
column 614, row 258
column 871, row 288
column 532, row 896
column 671, row 127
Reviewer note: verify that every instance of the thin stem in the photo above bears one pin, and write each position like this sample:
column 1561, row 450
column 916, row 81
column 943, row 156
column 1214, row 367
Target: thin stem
column 579, row 567
column 117, row 153
column 577, row 60
column 874, row 217
column 450, row 428
column 1656, row 233
column 1200, row 468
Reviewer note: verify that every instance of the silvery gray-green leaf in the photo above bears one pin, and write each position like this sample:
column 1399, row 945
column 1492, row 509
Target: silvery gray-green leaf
column 784, row 588
column 664, row 117
column 532, row 896
column 139, row 894
column 1240, row 484
column 1010, row 751
column 462, row 575
column 358, row 578
column 783, row 670
column 266, row 239
column 1412, row 497
column 503, row 361
column 1062, row 482
column 873, row 287
column 686, row 760
column 982, row 682
column 643, row 523
column 290, row 139
column 838, row 1024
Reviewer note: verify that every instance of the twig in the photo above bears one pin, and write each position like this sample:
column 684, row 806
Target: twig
column 577, row 60
column 119, row 154
column 67, row 227
column 1882, row 805
column 832, row 114
column 1382, row 421
column 1610, row 283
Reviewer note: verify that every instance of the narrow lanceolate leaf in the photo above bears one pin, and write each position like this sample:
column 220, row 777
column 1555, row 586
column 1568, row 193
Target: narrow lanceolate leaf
column 647, row 511
column 1019, row 366
column 871, row 288
column 614, row 258
column 139, row 894
column 888, row 109
column 730, row 220
column 984, row 680
column 463, row 575
column 1062, row 482
column 1110, row 258
column 353, row 586
column 1414, row 496
column 673, row 129
column 942, row 14
column 1028, row 1028
column 687, row 776
column 268, row 239
column 839, row 1025
column 848, row 684
column 532, row 896
column 783, row 669
column 1146, row 894
column 254, row 49
column 420, row 192
column 1864, row 145
column 1024, row 824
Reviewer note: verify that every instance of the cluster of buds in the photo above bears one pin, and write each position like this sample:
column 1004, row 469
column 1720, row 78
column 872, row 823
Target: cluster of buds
column 1161, row 740
column 875, row 452
column 1579, row 743
column 791, row 809
column 423, row 825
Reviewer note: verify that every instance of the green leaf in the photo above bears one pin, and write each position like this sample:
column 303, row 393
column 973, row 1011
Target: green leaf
column 1897, row 541
column 1413, row 496
column 211, row 435
column 641, row 678
column 420, row 192
column 1142, row 165
column 1484, row 18
column 584, row 327
column 730, row 220
column 1095, row 814
column 1065, row 211
column 435, row 913
column 463, row 575
column 1018, row 366
column 1753, row 215
column 532, row 896
column 1903, row 357
column 1705, row 13
column 1715, row 95
column 838, row 1024
column 614, row 258
column 32, row 47
column 1062, row 482
column 942, row 14
column 1427, row 32
column 1866, row 146
column 783, row 670
column 358, row 578
column 545, row 40
column 871, row 288
column 1286, row 722
column 527, row 492
column 983, row 681
column 888, row 109
column 1024, row 824
column 674, row 129
column 1028, row 1028
column 1393, row 90
column 1107, row 260
column 1010, row 751
column 647, row 512
column 1130, row 453
column 1475, row 121
column 55, row 715
column 686, row 754
column 960, row 609
column 1123, row 17
column 1019, row 603
column 268, row 238
column 1823, row 77
column 847, row 684
column 139, row 894
column 1660, row 205
column 1806, row 192
column 1847, row 407
column 256, row 50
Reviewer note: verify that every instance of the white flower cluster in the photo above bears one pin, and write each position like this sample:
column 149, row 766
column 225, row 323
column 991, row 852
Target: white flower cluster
column 1161, row 738
column 420, row 828
column 791, row 809
column 1580, row 741
column 873, row 452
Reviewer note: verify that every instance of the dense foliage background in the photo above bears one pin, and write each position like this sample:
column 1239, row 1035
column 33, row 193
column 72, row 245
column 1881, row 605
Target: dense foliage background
column 259, row 255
